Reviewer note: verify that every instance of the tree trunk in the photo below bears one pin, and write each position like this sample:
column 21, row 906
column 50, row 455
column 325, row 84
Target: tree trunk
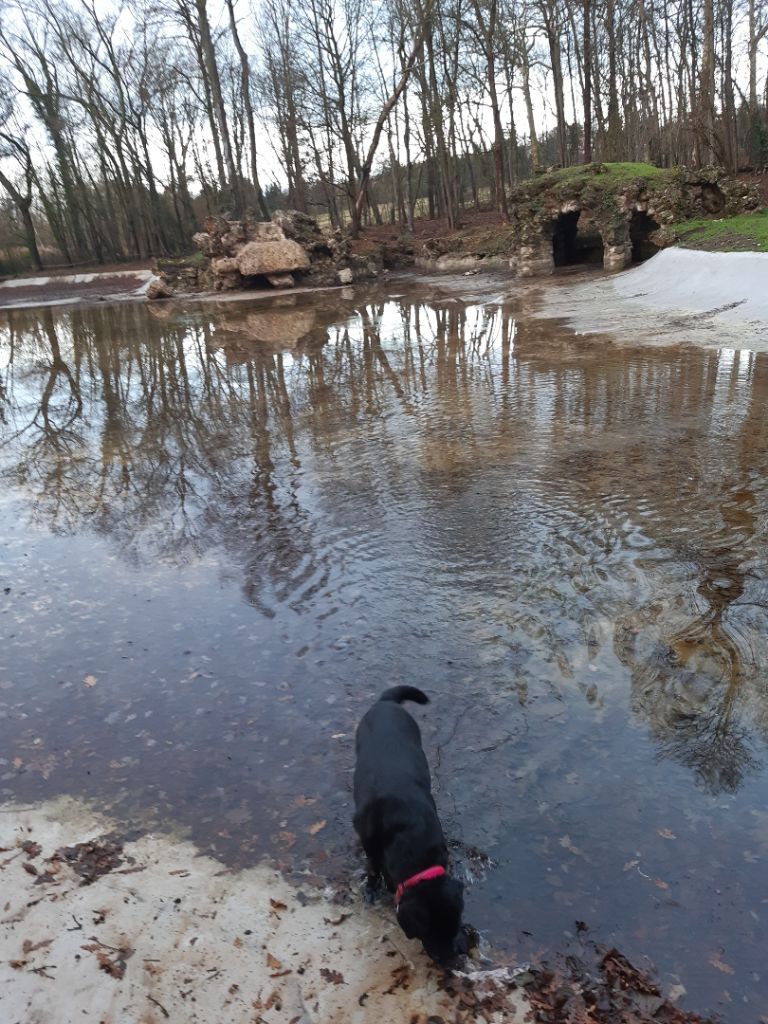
column 212, row 71
column 587, row 84
column 245, row 85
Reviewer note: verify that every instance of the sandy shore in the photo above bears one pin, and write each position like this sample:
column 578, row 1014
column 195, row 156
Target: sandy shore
column 717, row 300
column 145, row 931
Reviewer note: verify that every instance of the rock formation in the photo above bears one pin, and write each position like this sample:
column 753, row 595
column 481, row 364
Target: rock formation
column 290, row 249
column 614, row 213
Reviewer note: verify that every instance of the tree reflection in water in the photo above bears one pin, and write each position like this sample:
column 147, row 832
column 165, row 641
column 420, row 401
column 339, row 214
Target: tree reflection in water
column 623, row 488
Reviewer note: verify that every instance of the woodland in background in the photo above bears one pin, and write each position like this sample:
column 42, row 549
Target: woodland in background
column 120, row 132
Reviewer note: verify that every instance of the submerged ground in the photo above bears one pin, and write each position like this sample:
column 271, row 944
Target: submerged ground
column 226, row 528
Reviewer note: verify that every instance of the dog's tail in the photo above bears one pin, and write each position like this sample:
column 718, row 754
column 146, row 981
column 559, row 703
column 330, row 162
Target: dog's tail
column 400, row 693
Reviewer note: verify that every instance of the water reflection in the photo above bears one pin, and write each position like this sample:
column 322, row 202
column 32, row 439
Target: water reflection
column 297, row 505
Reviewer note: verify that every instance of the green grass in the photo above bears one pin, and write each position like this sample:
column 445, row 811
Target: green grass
column 602, row 177
column 616, row 172
column 197, row 259
column 746, row 232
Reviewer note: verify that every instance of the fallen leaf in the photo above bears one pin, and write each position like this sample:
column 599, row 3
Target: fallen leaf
column 30, row 868
column 277, row 905
column 720, row 964
column 304, row 801
column 273, row 963
column 114, row 966
column 665, row 833
column 335, row 977
column 28, row 946
column 287, row 838
column 631, row 864
column 339, row 920
column 314, row 829
column 90, row 680
column 565, row 842
column 400, row 977
column 659, row 884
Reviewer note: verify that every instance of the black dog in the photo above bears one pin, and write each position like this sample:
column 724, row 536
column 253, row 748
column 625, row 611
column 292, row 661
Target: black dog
column 396, row 819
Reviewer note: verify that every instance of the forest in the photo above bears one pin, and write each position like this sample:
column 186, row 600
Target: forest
column 123, row 126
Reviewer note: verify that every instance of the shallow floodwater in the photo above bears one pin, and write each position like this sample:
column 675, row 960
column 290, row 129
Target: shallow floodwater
column 225, row 529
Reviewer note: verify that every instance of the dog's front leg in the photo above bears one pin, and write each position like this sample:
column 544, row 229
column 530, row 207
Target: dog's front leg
column 372, row 886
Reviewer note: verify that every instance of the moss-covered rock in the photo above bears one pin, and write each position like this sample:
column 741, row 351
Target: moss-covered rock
column 624, row 201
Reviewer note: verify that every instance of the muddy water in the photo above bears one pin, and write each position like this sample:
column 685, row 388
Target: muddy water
column 225, row 529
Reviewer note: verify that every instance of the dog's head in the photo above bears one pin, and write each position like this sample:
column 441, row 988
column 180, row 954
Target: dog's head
column 431, row 911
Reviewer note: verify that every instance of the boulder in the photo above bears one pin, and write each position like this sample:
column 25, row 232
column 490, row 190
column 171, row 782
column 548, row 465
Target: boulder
column 266, row 231
column 299, row 227
column 159, row 289
column 281, row 280
column 225, row 265
column 228, row 282
column 271, row 258
column 204, row 243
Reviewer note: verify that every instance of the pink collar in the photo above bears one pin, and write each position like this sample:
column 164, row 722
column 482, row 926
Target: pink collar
column 422, row 876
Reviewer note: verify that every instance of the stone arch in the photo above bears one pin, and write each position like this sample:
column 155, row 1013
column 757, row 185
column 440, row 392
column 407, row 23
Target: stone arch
column 576, row 238
column 712, row 198
column 641, row 228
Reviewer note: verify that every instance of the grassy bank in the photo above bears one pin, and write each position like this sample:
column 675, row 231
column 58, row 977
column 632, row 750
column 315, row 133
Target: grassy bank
column 745, row 233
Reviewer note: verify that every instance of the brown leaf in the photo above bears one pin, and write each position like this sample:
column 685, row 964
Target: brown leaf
column 659, row 884
column 273, row 963
column 304, row 801
column 339, row 920
column 314, row 829
column 334, row 977
column 665, row 833
column 277, row 905
column 115, row 966
column 400, row 977
column 28, row 946
column 30, row 868
column 565, row 841
column 90, row 680
column 720, row 964
column 287, row 838
column 17, row 965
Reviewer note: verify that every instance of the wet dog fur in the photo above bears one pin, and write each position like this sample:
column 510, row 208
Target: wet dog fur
column 396, row 820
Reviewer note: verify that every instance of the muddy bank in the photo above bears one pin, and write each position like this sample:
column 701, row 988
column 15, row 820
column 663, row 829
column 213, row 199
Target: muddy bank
column 717, row 300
